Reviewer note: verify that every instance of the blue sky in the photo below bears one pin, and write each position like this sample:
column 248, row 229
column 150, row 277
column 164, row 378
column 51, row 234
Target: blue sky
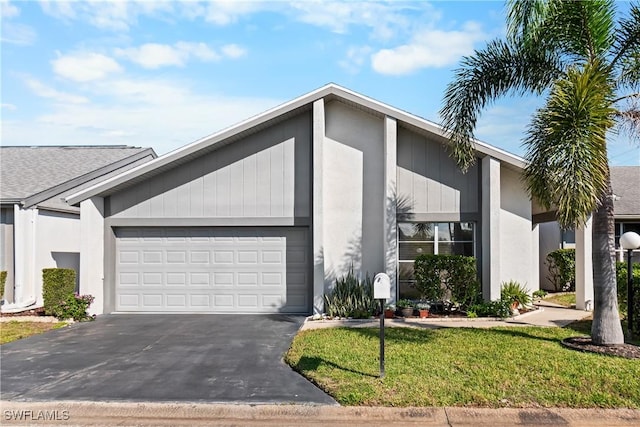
column 163, row 74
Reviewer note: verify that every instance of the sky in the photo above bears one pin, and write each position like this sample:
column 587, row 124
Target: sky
column 163, row 74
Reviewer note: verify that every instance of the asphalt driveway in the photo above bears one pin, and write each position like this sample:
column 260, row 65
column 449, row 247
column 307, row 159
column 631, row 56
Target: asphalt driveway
column 160, row 358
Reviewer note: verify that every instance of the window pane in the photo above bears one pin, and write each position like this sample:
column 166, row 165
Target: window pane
column 405, row 270
column 410, row 251
column 455, row 231
column 455, row 248
column 408, row 231
column 405, row 290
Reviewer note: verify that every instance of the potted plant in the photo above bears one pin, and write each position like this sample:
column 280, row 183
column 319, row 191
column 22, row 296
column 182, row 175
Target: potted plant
column 515, row 294
column 423, row 309
column 406, row 307
column 389, row 311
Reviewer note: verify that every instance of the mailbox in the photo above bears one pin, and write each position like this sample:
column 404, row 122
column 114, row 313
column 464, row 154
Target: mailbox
column 381, row 286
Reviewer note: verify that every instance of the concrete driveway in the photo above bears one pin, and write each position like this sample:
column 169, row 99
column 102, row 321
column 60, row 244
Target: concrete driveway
column 161, row 358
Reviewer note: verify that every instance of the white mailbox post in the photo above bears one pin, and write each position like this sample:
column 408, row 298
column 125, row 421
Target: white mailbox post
column 382, row 292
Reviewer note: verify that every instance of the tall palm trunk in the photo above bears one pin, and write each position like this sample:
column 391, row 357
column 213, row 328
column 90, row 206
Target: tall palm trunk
column 606, row 327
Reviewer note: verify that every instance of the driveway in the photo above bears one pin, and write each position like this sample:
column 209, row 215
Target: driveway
column 161, row 358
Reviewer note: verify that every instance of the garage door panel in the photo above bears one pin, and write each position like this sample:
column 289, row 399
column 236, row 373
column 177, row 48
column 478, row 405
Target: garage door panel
column 213, row 270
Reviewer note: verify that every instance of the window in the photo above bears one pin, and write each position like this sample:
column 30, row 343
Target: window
column 417, row 238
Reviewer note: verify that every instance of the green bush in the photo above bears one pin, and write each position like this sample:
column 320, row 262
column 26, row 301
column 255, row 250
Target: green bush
column 621, row 277
column 562, row 269
column 454, row 277
column 75, row 307
column 57, row 285
column 513, row 292
column 498, row 308
column 3, row 279
column 350, row 297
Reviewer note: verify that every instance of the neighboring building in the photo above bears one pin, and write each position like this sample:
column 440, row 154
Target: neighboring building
column 625, row 183
column 262, row 217
column 38, row 229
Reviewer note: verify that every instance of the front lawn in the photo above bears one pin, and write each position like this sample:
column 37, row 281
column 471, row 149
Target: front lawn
column 14, row 330
column 514, row 366
column 566, row 299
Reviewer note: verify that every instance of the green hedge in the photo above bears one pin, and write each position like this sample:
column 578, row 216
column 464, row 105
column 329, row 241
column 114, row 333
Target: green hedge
column 621, row 276
column 454, row 277
column 3, row 279
column 57, row 285
column 562, row 269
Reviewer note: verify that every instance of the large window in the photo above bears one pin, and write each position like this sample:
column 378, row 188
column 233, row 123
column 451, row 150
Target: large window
column 417, row 238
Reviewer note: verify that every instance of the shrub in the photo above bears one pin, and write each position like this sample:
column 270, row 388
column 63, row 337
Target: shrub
column 621, row 278
column 57, row 285
column 514, row 292
column 453, row 277
column 3, row 279
column 351, row 297
column 540, row 293
column 404, row 303
column 498, row 308
column 562, row 269
column 75, row 307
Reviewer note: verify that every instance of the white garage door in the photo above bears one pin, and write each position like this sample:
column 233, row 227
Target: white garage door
column 215, row 270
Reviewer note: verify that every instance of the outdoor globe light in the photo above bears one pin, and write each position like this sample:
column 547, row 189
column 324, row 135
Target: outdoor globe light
column 630, row 241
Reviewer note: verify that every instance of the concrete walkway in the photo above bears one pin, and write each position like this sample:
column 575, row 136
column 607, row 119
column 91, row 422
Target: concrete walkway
column 548, row 314
column 177, row 414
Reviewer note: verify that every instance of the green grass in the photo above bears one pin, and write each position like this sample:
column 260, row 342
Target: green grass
column 516, row 366
column 566, row 300
column 12, row 331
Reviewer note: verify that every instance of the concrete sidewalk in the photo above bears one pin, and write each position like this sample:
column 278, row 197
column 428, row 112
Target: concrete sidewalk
column 547, row 315
column 175, row 414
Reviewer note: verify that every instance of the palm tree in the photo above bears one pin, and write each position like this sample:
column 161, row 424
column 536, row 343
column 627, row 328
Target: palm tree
column 587, row 65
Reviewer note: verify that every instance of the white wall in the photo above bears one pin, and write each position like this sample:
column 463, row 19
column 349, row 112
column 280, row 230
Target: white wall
column 550, row 240
column 92, row 252
column 518, row 261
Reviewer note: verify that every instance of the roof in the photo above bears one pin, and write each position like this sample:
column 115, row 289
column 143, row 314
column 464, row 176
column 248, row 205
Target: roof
column 30, row 175
column 625, row 182
column 303, row 103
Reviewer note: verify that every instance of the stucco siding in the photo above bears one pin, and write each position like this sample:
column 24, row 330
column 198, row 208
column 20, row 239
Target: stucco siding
column 353, row 192
column 517, row 258
column 266, row 174
column 429, row 180
column 6, row 250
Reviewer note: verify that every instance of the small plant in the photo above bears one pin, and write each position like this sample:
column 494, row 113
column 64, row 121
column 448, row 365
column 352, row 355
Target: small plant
column 75, row 307
column 350, row 297
column 423, row 306
column 498, row 308
column 404, row 303
column 540, row 293
column 515, row 293
column 3, row 279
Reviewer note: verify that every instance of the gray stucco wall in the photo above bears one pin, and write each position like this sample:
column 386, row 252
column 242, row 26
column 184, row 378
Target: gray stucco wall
column 266, row 174
column 6, row 249
column 429, row 182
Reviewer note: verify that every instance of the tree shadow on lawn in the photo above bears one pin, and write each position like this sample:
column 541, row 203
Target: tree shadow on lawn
column 307, row 363
column 398, row 334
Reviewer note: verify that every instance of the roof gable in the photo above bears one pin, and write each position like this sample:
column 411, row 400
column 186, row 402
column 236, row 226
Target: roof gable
column 269, row 117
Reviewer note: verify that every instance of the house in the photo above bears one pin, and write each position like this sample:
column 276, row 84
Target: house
column 625, row 183
column 38, row 229
column 263, row 216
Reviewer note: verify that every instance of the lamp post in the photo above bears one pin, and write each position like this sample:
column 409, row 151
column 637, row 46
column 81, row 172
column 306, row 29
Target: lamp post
column 630, row 241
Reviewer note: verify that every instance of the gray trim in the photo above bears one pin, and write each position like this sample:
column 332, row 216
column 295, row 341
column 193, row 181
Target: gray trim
column 65, row 186
column 208, row 222
column 109, row 280
column 211, row 142
column 439, row 217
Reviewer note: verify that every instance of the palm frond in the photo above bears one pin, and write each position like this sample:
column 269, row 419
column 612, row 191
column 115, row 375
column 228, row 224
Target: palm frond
column 566, row 144
column 486, row 75
column 626, row 49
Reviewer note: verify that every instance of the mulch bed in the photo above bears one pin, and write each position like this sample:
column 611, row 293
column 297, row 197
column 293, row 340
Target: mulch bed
column 32, row 312
column 628, row 351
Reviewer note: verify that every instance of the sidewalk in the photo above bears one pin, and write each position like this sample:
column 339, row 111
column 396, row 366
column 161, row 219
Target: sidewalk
column 548, row 314
column 193, row 414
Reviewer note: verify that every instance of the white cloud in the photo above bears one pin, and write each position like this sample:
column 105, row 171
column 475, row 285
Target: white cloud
column 10, row 107
column 8, row 10
column 154, row 55
column 430, row 48
column 233, row 51
column 228, row 12
column 45, row 91
column 160, row 113
column 20, row 34
column 355, row 58
column 85, row 66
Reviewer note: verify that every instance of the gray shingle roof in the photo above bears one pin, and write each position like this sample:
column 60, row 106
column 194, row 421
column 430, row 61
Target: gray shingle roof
column 625, row 182
column 25, row 171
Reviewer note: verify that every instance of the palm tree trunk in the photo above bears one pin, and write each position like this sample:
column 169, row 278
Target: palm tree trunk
column 606, row 327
